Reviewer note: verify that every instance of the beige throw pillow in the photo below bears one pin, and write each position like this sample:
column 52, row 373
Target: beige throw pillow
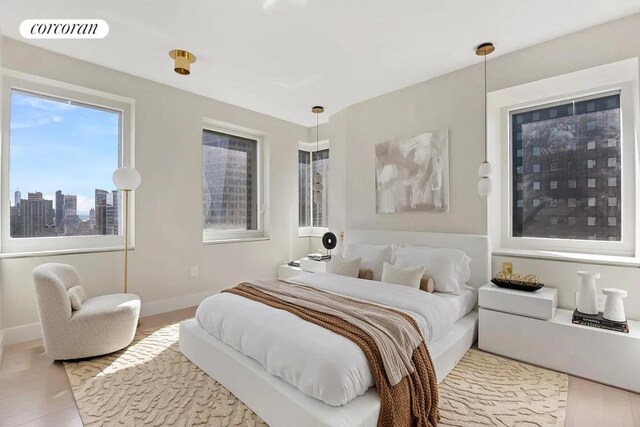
column 77, row 297
column 405, row 276
column 343, row 266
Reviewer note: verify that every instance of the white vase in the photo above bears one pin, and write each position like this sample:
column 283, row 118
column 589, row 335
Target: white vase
column 588, row 301
column 614, row 307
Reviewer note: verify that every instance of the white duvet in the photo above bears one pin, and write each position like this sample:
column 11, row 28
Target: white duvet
column 315, row 360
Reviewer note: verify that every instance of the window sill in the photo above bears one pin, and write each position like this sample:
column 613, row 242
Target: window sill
column 312, row 231
column 40, row 254
column 238, row 240
column 613, row 260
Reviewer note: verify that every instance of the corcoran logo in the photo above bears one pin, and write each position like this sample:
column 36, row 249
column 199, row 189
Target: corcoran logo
column 64, row 29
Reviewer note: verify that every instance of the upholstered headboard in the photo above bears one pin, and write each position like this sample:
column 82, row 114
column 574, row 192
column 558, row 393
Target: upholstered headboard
column 477, row 247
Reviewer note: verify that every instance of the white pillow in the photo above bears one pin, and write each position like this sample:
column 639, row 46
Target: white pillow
column 405, row 276
column 448, row 267
column 76, row 296
column 343, row 266
column 372, row 256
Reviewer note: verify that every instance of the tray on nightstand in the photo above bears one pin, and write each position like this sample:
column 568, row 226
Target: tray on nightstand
column 518, row 286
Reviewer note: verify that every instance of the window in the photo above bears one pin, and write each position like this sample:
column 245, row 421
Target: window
column 304, row 189
column 230, row 186
column 579, row 128
column 313, row 214
column 63, row 146
column 320, row 165
column 576, row 131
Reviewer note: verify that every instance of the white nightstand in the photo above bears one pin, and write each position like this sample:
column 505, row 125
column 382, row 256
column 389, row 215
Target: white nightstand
column 311, row 266
column 517, row 325
column 285, row 271
column 540, row 304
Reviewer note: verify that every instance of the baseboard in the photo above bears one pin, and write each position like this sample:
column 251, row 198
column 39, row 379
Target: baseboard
column 22, row 333
column 30, row 332
column 171, row 304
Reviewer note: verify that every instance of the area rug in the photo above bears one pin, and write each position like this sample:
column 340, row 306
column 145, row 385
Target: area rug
column 152, row 383
column 488, row 390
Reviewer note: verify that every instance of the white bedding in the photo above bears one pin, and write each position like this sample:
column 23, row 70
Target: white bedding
column 316, row 361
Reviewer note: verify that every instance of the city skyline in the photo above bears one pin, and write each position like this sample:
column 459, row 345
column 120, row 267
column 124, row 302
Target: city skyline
column 84, row 214
column 37, row 216
column 57, row 145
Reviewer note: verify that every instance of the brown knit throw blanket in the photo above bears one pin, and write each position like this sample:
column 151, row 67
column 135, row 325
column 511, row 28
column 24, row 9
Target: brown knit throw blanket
column 413, row 401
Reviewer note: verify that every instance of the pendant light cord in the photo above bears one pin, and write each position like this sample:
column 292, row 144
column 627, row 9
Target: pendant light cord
column 486, row 136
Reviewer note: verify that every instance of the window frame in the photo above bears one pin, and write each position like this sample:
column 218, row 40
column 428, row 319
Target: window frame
column 260, row 233
column 559, row 243
column 580, row 84
column 39, row 86
column 310, row 147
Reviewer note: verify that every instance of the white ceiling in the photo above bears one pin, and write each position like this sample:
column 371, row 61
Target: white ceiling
column 280, row 57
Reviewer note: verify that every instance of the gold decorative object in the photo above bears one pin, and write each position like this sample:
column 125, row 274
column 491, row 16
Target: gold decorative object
column 507, row 268
column 182, row 61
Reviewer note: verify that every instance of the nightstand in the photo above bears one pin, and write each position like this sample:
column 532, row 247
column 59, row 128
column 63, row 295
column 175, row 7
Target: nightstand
column 527, row 326
column 311, row 266
column 285, row 271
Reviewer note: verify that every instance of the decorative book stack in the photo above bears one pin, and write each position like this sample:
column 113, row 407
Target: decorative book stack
column 598, row 321
column 319, row 257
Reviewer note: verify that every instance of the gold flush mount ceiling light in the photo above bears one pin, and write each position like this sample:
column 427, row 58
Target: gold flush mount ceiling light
column 182, row 61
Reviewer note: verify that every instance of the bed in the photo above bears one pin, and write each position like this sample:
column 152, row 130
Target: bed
column 280, row 404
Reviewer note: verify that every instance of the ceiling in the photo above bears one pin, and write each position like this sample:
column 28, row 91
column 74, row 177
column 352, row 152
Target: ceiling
column 280, row 57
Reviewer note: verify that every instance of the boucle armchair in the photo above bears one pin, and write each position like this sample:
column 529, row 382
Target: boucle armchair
column 101, row 325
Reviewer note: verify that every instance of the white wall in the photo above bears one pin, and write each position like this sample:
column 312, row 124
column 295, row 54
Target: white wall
column 1, row 331
column 168, row 203
column 455, row 101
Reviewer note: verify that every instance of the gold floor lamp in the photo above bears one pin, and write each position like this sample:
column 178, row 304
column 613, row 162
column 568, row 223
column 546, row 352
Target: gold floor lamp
column 126, row 179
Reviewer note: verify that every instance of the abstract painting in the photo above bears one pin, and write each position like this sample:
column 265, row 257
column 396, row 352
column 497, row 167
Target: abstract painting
column 412, row 174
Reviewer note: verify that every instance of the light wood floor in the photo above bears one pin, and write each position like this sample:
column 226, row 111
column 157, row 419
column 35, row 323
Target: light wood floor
column 35, row 391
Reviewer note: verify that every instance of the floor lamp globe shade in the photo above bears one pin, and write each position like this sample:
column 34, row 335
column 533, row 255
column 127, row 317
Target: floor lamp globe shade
column 484, row 186
column 126, row 178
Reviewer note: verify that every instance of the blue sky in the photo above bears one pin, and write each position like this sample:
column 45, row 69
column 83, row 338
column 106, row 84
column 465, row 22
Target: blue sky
column 58, row 146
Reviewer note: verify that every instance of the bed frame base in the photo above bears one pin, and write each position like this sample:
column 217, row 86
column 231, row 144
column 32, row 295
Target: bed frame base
column 281, row 405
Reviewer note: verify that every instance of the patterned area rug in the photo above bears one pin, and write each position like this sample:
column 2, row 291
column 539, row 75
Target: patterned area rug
column 488, row 390
column 152, row 383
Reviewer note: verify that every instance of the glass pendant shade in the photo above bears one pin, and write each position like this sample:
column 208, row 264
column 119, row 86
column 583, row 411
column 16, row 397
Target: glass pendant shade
column 126, row 178
column 317, row 197
column 485, row 186
column 317, row 188
column 484, row 170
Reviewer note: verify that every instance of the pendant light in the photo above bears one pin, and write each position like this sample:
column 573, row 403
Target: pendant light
column 484, row 171
column 182, row 61
column 317, row 177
